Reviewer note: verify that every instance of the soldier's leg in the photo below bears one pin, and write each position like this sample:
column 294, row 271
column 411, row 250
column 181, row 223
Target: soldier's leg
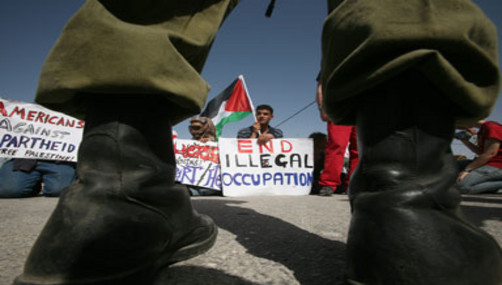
column 131, row 69
column 406, row 226
column 404, row 75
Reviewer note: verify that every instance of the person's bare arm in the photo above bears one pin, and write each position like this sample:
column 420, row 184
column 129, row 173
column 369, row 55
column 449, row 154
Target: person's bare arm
column 491, row 149
column 256, row 131
column 472, row 147
column 265, row 138
column 324, row 117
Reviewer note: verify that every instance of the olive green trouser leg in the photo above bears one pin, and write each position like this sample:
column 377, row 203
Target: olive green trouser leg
column 150, row 47
column 131, row 69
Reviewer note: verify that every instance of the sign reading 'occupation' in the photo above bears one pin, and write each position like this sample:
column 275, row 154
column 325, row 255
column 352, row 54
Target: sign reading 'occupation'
column 280, row 167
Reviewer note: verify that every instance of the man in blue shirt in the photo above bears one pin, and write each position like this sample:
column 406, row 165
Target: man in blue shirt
column 261, row 128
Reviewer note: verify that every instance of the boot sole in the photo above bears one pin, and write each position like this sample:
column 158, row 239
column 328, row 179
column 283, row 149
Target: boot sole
column 195, row 248
column 148, row 272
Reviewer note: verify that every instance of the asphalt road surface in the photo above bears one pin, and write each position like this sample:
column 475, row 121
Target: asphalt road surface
column 262, row 240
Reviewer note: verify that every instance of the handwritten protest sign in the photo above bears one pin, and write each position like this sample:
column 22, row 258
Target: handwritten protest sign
column 280, row 167
column 32, row 131
column 197, row 163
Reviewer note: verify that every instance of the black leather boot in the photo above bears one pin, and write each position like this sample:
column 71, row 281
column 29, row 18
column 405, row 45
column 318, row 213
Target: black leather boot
column 407, row 228
column 124, row 218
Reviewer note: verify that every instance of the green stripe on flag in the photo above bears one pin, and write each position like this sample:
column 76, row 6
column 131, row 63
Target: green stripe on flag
column 234, row 117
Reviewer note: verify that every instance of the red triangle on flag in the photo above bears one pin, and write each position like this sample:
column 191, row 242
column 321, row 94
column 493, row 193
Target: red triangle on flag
column 238, row 101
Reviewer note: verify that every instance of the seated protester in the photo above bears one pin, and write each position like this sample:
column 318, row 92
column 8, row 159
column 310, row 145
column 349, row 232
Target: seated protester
column 21, row 178
column 484, row 173
column 3, row 160
column 202, row 129
column 261, row 128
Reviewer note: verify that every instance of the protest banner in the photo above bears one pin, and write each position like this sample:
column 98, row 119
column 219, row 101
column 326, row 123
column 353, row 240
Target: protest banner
column 197, row 163
column 280, row 167
column 32, row 131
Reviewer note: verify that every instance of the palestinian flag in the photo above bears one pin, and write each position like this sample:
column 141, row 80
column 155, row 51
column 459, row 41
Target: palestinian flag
column 231, row 105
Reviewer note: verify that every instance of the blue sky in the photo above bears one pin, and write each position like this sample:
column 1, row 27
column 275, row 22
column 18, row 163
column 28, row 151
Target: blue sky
column 278, row 56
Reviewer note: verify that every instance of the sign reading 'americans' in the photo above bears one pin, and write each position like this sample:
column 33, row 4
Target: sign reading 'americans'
column 32, row 131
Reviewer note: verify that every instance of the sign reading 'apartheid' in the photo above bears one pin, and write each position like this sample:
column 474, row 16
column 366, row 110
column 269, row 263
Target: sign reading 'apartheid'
column 32, row 131
column 280, row 167
column 197, row 163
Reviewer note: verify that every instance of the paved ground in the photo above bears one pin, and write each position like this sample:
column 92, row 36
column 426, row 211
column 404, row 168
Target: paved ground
column 262, row 240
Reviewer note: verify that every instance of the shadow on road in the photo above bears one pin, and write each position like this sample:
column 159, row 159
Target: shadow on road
column 486, row 198
column 194, row 275
column 478, row 214
column 311, row 258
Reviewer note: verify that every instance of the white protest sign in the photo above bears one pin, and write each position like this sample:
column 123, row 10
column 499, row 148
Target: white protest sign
column 32, row 131
column 280, row 167
column 197, row 163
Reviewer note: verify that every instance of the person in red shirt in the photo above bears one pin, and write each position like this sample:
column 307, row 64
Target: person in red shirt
column 484, row 173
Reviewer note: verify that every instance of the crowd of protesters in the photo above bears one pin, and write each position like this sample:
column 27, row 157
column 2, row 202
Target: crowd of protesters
column 335, row 158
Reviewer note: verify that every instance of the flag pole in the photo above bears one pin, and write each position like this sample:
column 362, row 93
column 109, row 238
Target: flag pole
column 241, row 77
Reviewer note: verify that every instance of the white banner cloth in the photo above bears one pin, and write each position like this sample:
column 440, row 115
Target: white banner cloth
column 280, row 167
column 32, row 131
column 197, row 163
